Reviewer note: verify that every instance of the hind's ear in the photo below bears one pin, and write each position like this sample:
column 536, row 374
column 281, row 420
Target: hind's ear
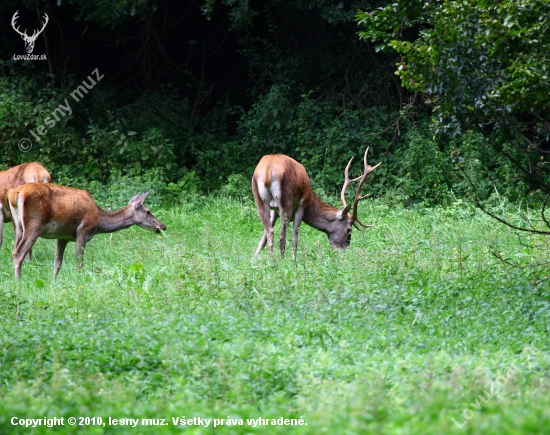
column 134, row 198
column 139, row 198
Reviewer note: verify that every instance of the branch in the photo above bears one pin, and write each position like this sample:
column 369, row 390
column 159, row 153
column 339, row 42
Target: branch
column 46, row 43
column 159, row 112
column 348, row 87
column 532, row 145
column 494, row 216
column 530, row 174
column 174, row 65
column 387, row 69
column 498, row 256
column 328, row 90
column 73, row 49
column 373, row 57
column 531, row 245
column 543, row 210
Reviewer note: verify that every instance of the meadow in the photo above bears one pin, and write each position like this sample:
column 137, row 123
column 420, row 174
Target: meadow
column 416, row 329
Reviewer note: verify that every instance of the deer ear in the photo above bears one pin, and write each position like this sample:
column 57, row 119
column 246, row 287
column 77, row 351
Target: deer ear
column 343, row 213
column 134, row 198
column 139, row 198
column 143, row 196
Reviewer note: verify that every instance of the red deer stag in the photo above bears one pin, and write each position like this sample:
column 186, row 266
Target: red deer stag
column 67, row 214
column 30, row 172
column 281, row 188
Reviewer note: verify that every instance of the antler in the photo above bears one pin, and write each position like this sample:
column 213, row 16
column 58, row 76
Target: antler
column 347, row 182
column 35, row 33
column 367, row 171
column 13, row 20
column 46, row 18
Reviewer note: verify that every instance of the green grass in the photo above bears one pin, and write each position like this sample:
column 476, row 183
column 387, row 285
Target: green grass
column 397, row 335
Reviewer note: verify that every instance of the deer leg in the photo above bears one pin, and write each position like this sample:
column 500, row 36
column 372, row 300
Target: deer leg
column 17, row 233
column 270, row 235
column 285, row 211
column 1, row 222
column 285, row 216
column 298, row 216
column 59, row 251
column 4, row 217
column 262, row 243
column 29, row 254
column 81, row 239
column 268, row 218
column 25, row 244
column 282, row 237
column 272, row 219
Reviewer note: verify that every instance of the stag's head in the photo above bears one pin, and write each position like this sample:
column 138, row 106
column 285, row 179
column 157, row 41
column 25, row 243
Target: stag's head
column 339, row 233
column 29, row 40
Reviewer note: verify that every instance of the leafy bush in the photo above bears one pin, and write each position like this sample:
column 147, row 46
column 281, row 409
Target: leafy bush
column 237, row 186
column 118, row 190
column 487, row 170
column 155, row 142
column 424, row 169
column 321, row 135
column 188, row 185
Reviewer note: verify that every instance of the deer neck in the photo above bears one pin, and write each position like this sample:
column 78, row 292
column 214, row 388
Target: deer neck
column 319, row 215
column 111, row 221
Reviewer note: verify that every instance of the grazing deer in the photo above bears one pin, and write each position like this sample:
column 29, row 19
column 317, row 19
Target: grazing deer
column 67, row 214
column 30, row 172
column 281, row 187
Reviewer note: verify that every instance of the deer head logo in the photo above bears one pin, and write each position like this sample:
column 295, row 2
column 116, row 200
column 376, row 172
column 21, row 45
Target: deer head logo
column 29, row 40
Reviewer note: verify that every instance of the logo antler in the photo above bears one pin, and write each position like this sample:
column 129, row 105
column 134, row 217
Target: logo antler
column 29, row 40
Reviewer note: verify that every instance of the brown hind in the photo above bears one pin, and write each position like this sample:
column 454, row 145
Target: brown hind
column 30, row 172
column 67, row 214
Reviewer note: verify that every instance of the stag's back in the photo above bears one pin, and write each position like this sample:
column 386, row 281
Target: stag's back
column 277, row 177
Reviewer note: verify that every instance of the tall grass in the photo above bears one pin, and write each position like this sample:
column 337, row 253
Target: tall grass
column 397, row 335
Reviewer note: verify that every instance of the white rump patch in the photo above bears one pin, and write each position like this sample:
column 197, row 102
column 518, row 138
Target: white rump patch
column 275, row 190
column 271, row 195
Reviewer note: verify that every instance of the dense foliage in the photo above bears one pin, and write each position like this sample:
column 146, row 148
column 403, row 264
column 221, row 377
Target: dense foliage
column 482, row 66
column 193, row 94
